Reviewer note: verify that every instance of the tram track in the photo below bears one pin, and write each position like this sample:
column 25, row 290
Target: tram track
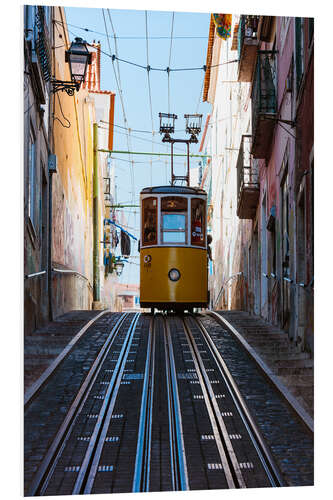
column 48, row 466
column 143, row 451
column 158, row 410
column 254, row 433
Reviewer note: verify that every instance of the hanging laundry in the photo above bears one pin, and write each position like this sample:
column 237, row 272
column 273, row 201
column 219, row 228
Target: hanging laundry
column 223, row 25
column 125, row 244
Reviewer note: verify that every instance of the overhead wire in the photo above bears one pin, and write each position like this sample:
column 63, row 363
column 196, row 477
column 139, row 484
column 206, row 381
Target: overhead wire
column 168, row 69
column 118, row 68
column 150, row 99
column 133, row 37
column 118, row 83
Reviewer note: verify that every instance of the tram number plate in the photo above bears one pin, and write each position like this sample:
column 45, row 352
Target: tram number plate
column 147, row 261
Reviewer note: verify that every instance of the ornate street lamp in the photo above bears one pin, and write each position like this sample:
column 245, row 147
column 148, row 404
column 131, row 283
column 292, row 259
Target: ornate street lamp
column 119, row 266
column 78, row 58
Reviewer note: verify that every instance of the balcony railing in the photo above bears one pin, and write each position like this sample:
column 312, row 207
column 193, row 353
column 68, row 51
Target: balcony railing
column 42, row 43
column 247, row 180
column 264, row 103
column 247, row 47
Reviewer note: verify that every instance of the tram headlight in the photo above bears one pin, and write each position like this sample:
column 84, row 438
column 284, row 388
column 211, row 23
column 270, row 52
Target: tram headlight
column 174, row 274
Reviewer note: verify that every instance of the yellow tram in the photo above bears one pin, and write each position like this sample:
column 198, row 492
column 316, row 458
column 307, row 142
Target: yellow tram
column 173, row 248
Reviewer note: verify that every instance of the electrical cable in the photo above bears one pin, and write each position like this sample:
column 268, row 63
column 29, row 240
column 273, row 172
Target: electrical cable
column 200, row 94
column 118, row 82
column 168, row 70
column 150, row 100
column 134, row 37
column 125, row 119
column 56, row 118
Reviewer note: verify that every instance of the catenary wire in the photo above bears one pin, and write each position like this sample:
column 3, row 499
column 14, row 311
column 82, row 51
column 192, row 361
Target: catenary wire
column 87, row 30
column 168, row 71
column 149, row 98
column 129, row 134
column 118, row 82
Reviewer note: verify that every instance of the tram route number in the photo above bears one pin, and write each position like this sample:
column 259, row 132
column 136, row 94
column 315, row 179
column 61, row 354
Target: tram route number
column 147, row 261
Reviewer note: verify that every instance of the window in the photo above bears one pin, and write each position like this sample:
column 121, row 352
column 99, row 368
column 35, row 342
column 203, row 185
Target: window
column 32, row 179
column 198, row 221
column 174, row 226
column 174, row 219
column 149, row 221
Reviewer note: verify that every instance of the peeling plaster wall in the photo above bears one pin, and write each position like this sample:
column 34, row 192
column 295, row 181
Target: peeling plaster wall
column 72, row 230
column 237, row 248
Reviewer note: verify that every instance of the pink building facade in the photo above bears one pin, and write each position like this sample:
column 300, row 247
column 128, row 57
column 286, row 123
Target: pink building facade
column 266, row 216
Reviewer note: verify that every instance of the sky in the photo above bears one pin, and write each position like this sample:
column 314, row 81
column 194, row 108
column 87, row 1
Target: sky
column 176, row 40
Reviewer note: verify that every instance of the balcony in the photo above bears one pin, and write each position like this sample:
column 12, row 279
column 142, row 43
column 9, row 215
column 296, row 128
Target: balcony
column 247, row 47
column 264, row 104
column 247, row 180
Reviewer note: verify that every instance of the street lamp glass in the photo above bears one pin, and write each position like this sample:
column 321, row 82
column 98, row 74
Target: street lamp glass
column 119, row 267
column 78, row 58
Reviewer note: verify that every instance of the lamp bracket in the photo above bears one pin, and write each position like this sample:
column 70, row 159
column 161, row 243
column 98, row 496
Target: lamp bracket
column 69, row 87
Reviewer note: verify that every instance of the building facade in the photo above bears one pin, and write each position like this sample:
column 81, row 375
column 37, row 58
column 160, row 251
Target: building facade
column 37, row 164
column 65, row 199
column 260, row 138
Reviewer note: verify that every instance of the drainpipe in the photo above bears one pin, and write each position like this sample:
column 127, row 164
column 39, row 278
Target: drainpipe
column 96, row 273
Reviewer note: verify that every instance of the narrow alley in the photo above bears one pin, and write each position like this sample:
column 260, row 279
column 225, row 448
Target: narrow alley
column 168, row 256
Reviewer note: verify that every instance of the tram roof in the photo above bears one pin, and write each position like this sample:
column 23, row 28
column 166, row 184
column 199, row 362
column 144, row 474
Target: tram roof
column 174, row 190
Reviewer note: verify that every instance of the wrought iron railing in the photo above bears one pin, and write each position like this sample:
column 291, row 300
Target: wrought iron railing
column 263, row 96
column 42, row 43
column 247, row 167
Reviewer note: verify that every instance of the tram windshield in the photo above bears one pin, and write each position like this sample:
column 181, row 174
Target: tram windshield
column 174, row 219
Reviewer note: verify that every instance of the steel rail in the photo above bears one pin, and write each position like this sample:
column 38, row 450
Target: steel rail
column 44, row 472
column 86, row 477
column 36, row 386
column 257, row 439
column 143, row 451
column 303, row 416
column 227, row 454
column 177, row 448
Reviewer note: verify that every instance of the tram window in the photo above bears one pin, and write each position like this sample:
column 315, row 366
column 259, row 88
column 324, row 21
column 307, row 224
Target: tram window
column 174, row 227
column 174, row 219
column 149, row 221
column 198, row 228
column 174, row 204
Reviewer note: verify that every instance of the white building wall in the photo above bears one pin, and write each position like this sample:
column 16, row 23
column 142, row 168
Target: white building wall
column 230, row 118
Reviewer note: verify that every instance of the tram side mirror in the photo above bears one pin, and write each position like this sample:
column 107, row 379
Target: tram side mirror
column 138, row 245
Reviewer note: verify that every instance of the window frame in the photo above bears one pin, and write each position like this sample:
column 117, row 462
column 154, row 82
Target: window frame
column 32, row 177
column 201, row 244
column 185, row 231
column 155, row 241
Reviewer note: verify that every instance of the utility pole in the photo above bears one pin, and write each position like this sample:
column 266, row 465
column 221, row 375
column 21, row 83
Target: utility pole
column 96, row 271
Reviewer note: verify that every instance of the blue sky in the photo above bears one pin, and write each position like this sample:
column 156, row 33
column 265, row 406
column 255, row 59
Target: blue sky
column 184, row 95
